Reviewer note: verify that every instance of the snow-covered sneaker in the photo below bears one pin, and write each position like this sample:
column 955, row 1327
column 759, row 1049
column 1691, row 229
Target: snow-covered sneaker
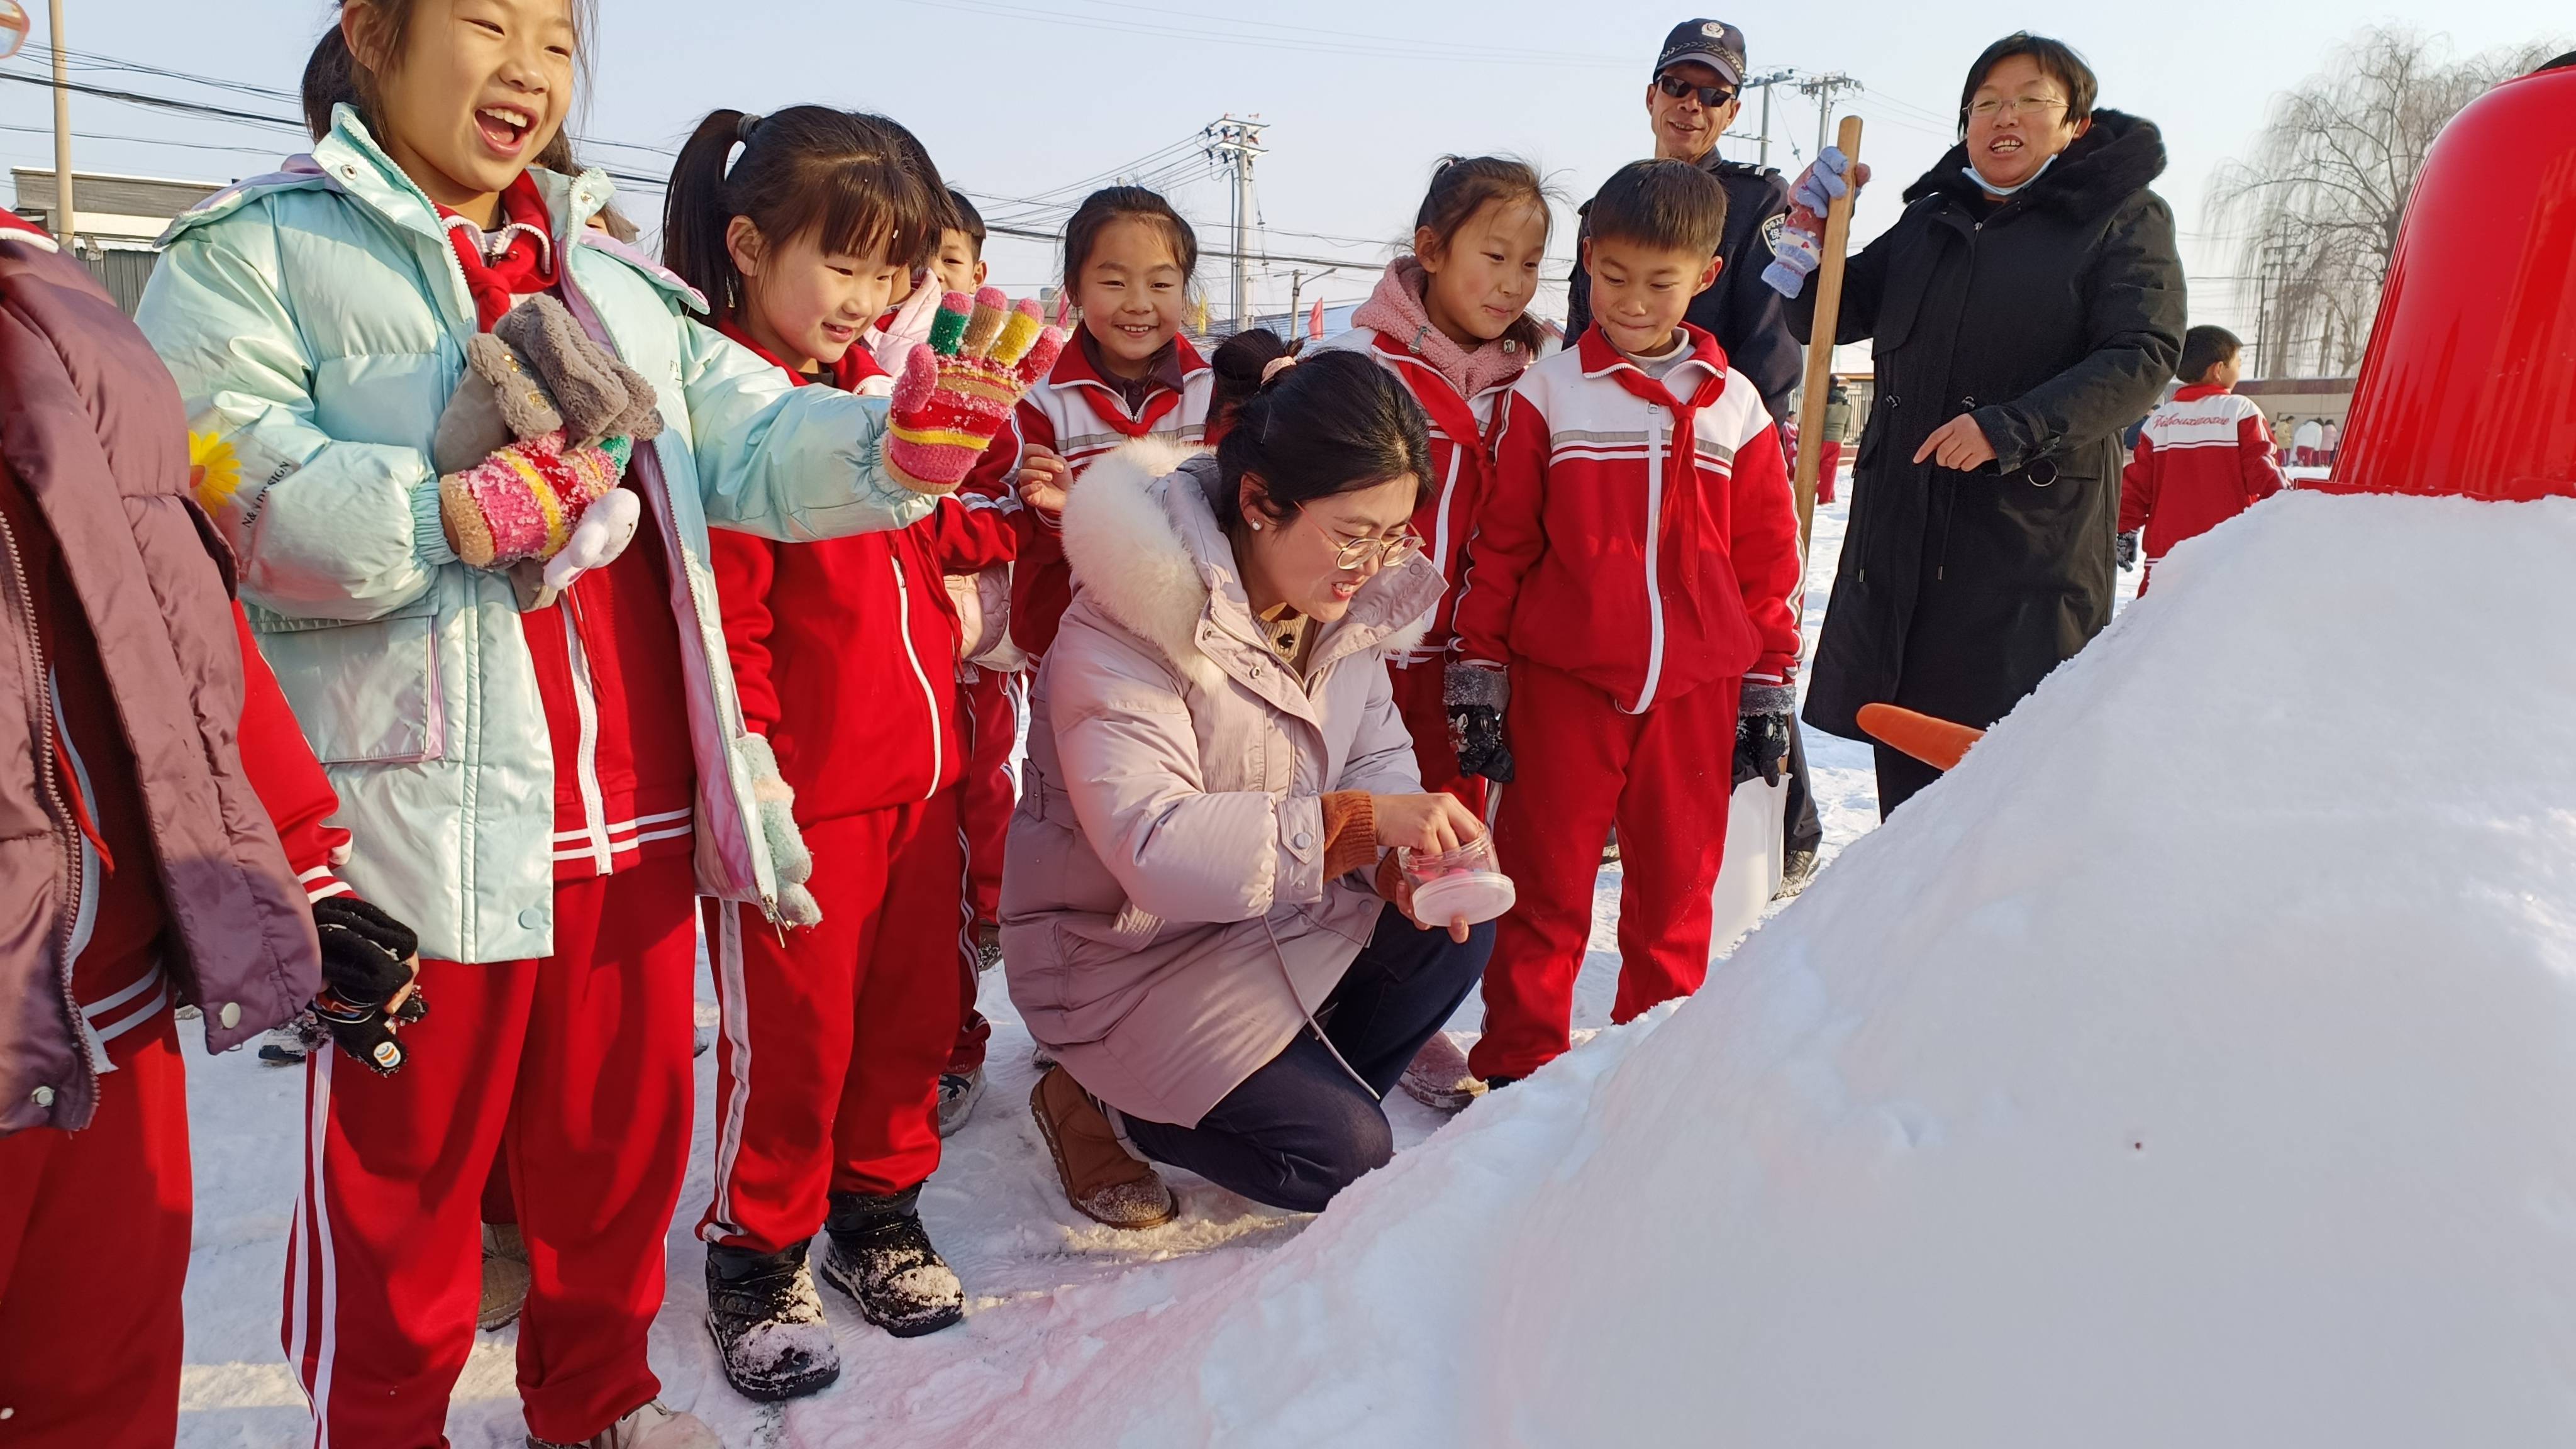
column 505, row 1276
column 958, row 1094
column 1796, row 874
column 988, row 946
column 1438, row 1077
column 1102, row 1179
column 767, row 1322
column 883, row 1259
column 655, row 1426
column 1610, row 849
column 1040, row 1057
column 285, row 1045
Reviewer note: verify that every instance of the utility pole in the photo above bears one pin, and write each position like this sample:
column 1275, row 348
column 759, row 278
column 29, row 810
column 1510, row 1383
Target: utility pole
column 63, row 212
column 1234, row 143
column 1822, row 87
column 1764, row 83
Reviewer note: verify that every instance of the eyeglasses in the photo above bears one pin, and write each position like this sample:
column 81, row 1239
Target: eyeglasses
column 2031, row 106
column 1350, row 554
column 1710, row 97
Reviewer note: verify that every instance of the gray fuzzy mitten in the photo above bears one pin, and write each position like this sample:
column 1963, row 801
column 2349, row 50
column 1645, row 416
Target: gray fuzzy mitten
column 597, row 395
column 787, row 852
column 500, row 401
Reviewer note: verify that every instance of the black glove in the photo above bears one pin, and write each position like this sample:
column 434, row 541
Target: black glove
column 367, row 956
column 1476, row 695
column 2128, row 550
column 1762, row 725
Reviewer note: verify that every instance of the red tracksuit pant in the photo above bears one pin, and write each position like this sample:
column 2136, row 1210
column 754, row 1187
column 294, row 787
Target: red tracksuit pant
column 1663, row 777
column 93, row 1252
column 992, row 708
column 828, row 1069
column 577, row 1068
column 1426, row 717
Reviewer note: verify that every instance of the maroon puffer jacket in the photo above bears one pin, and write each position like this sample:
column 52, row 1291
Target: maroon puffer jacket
column 90, row 425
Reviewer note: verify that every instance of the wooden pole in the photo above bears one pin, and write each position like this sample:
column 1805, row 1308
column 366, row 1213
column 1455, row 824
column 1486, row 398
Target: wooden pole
column 63, row 213
column 1820, row 351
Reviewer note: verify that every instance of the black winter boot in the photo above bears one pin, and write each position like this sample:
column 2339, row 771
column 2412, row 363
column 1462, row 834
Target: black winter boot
column 768, row 1323
column 881, row 1257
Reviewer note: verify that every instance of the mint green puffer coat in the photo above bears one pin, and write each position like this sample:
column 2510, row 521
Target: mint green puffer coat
column 316, row 320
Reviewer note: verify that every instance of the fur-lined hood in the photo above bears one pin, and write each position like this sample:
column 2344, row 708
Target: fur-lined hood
column 1142, row 539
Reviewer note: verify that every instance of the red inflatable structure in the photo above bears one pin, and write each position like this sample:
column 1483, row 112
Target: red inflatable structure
column 2469, row 383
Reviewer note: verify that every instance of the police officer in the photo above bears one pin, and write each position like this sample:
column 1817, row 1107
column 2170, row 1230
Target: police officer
column 1696, row 91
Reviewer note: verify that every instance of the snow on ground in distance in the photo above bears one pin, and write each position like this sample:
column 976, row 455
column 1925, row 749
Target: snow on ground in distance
column 1048, row 1288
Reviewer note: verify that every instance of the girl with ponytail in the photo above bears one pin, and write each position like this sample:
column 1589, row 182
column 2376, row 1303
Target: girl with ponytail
column 846, row 651
column 467, row 447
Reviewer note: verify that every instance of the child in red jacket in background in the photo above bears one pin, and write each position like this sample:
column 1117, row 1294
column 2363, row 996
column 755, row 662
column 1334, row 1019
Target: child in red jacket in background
column 835, row 1034
column 2204, row 456
column 1621, row 594
column 1128, row 373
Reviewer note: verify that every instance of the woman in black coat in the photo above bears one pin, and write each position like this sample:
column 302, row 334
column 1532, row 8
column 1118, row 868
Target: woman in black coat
column 2026, row 308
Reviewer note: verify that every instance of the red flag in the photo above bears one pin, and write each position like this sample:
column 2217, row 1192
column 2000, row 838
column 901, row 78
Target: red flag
column 1315, row 321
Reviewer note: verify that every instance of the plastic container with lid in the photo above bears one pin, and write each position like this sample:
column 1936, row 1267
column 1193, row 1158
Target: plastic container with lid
column 1461, row 884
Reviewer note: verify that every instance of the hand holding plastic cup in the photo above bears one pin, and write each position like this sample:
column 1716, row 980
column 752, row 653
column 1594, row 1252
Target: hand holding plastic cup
column 1461, row 887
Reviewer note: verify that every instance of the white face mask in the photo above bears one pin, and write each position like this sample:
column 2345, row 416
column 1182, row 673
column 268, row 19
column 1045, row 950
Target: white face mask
column 1994, row 190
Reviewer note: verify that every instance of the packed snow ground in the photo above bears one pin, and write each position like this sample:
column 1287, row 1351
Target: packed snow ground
column 1051, row 1291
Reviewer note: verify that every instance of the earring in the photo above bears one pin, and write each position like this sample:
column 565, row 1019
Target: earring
column 1256, row 525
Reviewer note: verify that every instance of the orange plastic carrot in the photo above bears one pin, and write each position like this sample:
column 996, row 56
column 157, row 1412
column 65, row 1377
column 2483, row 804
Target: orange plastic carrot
column 1936, row 742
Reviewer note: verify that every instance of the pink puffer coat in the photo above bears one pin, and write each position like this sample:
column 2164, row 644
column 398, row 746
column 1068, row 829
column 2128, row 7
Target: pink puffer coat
column 1166, row 923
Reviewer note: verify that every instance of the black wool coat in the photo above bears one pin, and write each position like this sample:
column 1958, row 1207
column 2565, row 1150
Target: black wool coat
column 2054, row 318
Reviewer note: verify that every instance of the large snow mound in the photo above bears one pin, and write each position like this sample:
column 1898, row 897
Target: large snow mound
column 2195, row 1065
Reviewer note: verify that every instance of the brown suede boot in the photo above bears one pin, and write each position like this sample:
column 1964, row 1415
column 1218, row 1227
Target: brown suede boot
column 1102, row 1180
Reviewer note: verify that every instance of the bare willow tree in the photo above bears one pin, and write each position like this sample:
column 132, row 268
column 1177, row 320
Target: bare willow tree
column 2316, row 208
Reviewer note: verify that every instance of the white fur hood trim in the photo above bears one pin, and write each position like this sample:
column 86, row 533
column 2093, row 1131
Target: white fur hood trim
column 1150, row 554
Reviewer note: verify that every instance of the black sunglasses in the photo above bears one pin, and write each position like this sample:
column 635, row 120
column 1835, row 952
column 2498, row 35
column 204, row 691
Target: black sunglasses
column 1710, row 97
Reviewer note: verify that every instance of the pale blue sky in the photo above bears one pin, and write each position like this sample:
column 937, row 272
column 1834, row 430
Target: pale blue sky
column 1017, row 98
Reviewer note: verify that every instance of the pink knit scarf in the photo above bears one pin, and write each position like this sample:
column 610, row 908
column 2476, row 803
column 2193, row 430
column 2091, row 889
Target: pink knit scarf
column 1396, row 312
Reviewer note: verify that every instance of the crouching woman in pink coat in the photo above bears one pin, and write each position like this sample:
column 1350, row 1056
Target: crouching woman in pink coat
column 1201, row 915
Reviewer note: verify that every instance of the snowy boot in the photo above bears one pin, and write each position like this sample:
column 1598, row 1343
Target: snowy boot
column 1102, row 1179
column 1438, row 1077
column 958, row 1094
column 505, row 1276
column 767, row 1322
column 883, row 1259
column 654, row 1426
column 988, row 946
column 288, row 1044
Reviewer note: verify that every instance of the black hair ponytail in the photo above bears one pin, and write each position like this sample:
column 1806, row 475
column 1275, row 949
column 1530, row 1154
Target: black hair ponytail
column 861, row 183
column 1335, row 423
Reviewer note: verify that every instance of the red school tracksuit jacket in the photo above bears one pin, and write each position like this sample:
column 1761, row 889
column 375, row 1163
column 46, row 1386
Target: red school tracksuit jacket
column 515, row 1057
column 834, row 1037
column 1079, row 413
column 1636, row 560
column 1463, row 430
column 101, row 1217
column 2204, row 456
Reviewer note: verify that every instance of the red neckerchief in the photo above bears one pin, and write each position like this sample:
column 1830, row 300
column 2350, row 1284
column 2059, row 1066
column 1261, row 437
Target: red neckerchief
column 526, row 263
column 1170, row 373
column 1452, row 412
column 856, row 365
column 1681, row 456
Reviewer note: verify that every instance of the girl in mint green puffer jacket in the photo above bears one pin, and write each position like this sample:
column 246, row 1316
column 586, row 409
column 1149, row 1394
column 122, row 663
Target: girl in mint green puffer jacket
column 543, row 792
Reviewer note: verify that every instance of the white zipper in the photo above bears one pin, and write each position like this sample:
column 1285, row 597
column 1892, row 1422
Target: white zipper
column 1654, row 557
column 1448, row 491
column 903, row 622
column 585, row 762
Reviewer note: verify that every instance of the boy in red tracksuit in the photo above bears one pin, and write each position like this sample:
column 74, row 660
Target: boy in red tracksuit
column 836, row 1035
column 1622, row 592
column 2204, row 456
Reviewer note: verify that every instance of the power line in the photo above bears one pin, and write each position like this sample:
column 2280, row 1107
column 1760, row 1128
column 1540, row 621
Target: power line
column 1389, row 48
